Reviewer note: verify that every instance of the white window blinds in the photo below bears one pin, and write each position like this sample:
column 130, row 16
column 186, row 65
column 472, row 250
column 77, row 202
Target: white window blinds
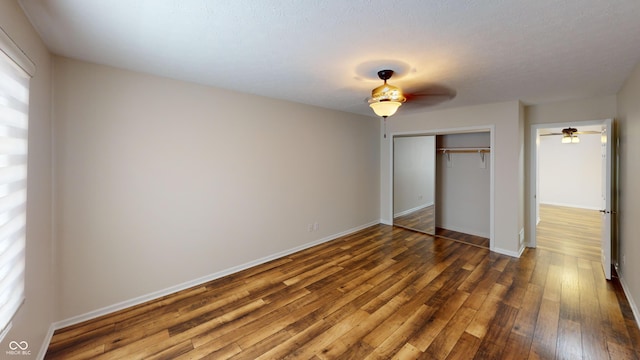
column 14, row 107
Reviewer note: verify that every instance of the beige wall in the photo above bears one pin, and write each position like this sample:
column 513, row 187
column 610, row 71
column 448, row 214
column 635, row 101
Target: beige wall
column 629, row 190
column 595, row 108
column 35, row 317
column 505, row 118
column 161, row 182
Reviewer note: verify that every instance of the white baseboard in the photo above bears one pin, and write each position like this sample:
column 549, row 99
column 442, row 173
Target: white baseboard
column 189, row 284
column 632, row 303
column 572, row 206
column 46, row 342
column 515, row 254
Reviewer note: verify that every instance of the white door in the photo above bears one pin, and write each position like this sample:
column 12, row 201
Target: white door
column 607, row 211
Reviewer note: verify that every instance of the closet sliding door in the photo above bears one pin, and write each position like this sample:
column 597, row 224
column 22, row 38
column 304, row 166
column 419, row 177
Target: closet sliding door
column 414, row 185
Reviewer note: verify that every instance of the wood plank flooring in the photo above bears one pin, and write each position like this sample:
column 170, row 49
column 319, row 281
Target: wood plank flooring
column 462, row 237
column 423, row 220
column 420, row 220
column 381, row 293
column 568, row 230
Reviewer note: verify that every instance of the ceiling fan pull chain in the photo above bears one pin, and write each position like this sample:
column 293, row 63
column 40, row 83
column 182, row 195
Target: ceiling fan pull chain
column 385, row 126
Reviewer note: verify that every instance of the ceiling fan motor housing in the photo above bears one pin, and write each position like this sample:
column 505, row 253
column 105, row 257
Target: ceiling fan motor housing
column 385, row 74
column 386, row 92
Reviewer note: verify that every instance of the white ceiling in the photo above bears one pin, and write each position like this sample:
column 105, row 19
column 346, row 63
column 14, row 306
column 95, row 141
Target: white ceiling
column 327, row 53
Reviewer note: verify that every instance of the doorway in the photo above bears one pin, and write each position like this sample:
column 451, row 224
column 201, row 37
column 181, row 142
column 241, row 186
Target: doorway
column 570, row 180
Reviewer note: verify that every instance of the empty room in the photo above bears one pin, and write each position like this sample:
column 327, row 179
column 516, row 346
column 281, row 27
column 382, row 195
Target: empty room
column 206, row 180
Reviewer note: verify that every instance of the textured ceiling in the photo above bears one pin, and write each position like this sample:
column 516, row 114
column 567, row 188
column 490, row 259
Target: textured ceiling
column 326, row 53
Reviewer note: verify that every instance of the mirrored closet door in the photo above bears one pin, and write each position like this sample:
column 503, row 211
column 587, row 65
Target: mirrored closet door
column 414, row 185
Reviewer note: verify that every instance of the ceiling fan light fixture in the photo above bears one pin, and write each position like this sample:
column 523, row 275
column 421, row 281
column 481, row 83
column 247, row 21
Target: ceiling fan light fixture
column 385, row 108
column 570, row 139
column 386, row 98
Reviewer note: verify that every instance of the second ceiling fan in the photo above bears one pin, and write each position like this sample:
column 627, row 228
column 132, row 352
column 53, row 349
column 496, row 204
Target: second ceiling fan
column 570, row 135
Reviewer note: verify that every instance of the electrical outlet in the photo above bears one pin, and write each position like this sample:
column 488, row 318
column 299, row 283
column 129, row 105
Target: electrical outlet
column 309, row 227
column 316, row 226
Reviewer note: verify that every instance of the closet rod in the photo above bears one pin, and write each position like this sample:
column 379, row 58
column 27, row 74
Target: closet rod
column 464, row 150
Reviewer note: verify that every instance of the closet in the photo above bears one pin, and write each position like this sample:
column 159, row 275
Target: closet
column 441, row 185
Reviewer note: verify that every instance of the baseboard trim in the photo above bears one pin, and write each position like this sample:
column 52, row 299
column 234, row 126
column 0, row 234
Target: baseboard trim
column 571, row 206
column 515, row 254
column 189, row 284
column 46, row 342
column 632, row 303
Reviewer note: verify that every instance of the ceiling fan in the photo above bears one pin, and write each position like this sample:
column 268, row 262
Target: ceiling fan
column 570, row 135
column 386, row 98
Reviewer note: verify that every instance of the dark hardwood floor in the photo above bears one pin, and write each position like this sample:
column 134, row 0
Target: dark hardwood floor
column 423, row 220
column 382, row 293
column 462, row 237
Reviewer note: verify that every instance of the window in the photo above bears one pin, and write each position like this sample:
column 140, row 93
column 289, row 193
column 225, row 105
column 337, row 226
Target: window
column 15, row 68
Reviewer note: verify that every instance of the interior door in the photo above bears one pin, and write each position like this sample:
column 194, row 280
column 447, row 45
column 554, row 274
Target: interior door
column 608, row 211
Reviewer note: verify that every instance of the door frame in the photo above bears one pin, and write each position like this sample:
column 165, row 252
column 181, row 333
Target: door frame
column 533, row 169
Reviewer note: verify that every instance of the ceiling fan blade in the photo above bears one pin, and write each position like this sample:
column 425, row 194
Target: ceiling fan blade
column 587, row 132
column 429, row 95
column 572, row 132
column 411, row 96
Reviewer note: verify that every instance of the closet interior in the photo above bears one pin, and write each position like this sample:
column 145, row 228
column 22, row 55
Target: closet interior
column 441, row 185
